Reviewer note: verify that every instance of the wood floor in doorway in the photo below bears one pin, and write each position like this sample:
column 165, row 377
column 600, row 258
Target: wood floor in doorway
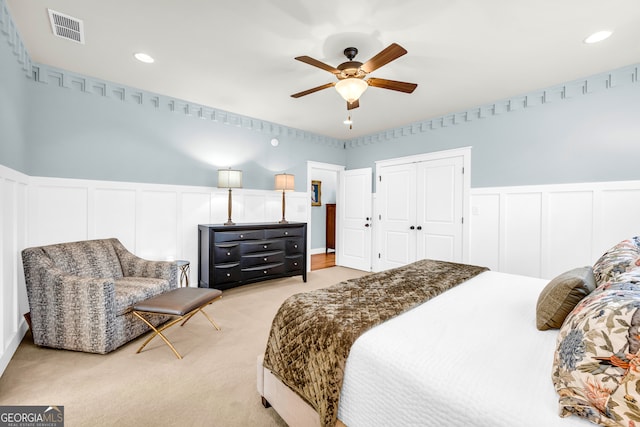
column 319, row 261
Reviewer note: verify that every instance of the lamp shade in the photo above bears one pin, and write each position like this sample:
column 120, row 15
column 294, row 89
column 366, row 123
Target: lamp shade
column 228, row 178
column 284, row 182
column 351, row 89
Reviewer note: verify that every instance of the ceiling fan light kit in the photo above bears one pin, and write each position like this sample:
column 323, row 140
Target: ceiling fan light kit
column 351, row 89
column 351, row 75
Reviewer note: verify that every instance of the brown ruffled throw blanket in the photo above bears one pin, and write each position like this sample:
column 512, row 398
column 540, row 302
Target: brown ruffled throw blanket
column 312, row 333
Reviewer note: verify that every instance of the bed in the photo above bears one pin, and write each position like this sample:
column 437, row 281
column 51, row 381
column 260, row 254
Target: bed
column 472, row 355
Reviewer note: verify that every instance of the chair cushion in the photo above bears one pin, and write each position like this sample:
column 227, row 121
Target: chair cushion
column 132, row 290
column 89, row 258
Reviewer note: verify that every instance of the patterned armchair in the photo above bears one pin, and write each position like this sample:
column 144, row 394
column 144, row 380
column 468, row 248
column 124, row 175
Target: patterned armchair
column 81, row 293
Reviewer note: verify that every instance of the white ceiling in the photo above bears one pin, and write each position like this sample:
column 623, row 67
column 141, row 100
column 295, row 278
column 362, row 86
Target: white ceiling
column 238, row 55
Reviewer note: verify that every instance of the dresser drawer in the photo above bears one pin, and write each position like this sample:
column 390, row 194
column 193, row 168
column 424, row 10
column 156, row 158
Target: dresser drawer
column 263, row 271
column 283, row 232
column 224, row 273
column 294, row 246
column 223, row 253
column 262, row 258
column 262, row 246
column 227, row 236
column 294, row 263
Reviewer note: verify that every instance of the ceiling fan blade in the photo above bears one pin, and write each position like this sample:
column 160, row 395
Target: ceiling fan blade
column 309, row 60
column 392, row 84
column 393, row 51
column 315, row 89
column 354, row 104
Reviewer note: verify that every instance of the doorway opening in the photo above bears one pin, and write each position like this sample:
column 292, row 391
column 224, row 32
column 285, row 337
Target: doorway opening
column 323, row 191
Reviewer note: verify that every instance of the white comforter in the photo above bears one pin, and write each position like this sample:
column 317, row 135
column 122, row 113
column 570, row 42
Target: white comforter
column 469, row 357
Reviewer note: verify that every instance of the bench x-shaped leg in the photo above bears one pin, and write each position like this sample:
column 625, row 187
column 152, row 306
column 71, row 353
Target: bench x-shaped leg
column 158, row 331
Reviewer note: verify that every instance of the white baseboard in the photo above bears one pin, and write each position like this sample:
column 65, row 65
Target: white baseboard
column 12, row 345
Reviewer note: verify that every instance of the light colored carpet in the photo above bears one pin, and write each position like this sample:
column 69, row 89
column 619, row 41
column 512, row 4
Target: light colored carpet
column 213, row 385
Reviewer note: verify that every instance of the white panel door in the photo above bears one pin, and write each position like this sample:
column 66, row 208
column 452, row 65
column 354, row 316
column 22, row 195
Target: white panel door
column 396, row 190
column 354, row 219
column 439, row 209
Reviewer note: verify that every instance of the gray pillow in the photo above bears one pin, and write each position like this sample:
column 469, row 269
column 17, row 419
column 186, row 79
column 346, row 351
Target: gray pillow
column 561, row 295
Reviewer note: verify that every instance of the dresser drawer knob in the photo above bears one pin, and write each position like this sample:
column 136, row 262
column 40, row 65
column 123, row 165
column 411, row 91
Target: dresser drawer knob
column 241, row 236
column 286, row 233
column 265, row 271
column 265, row 246
column 266, row 259
column 228, row 253
column 295, row 263
column 295, row 246
column 228, row 274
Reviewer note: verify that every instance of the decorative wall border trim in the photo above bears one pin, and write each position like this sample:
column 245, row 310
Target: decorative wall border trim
column 44, row 74
column 593, row 84
column 68, row 80
column 10, row 32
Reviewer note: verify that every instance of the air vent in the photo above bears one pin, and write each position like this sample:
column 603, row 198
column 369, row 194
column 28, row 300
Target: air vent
column 66, row 26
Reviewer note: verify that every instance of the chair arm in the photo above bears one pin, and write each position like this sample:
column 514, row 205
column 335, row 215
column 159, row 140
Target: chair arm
column 71, row 312
column 134, row 266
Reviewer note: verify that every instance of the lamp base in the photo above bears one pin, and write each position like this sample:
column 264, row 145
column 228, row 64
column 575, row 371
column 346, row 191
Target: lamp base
column 283, row 221
column 229, row 223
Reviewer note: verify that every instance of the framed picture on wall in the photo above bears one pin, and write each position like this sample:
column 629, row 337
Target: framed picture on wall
column 316, row 193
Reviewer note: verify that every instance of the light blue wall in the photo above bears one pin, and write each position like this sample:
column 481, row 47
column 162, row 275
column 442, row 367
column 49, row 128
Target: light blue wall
column 13, row 103
column 92, row 129
column 558, row 135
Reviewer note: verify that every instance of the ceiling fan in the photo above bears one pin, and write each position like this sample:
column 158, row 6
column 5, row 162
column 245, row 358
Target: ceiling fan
column 351, row 75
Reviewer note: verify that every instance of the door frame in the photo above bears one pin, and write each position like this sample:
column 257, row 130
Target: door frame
column 311, row 166
column 465, row 153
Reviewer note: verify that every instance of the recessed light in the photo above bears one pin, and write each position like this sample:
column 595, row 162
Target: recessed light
column 143, row 57
column 597, row 37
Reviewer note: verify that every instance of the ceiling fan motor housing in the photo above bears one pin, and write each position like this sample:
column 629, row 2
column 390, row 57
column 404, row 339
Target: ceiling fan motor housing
column 351, row 68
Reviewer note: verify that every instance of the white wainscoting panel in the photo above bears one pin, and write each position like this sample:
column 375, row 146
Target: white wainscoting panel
column 157, row 229
column 13, row 237
column 521, row 234
column 254, row 207
column 485, row 220
column 195, row 209
column 110, row 221
column 545, row 230
column 618, row 215
column 569, row 235
column 58, row 212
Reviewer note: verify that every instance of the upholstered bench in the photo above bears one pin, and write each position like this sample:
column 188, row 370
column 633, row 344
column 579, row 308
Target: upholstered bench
column 182, row 303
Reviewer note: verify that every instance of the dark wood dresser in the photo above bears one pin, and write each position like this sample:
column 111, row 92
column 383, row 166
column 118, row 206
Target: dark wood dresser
column 330, row 242
column 234, row 255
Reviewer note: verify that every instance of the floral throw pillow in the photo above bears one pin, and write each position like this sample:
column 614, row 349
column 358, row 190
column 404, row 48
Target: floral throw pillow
column 622, row 259
column 596, row 368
